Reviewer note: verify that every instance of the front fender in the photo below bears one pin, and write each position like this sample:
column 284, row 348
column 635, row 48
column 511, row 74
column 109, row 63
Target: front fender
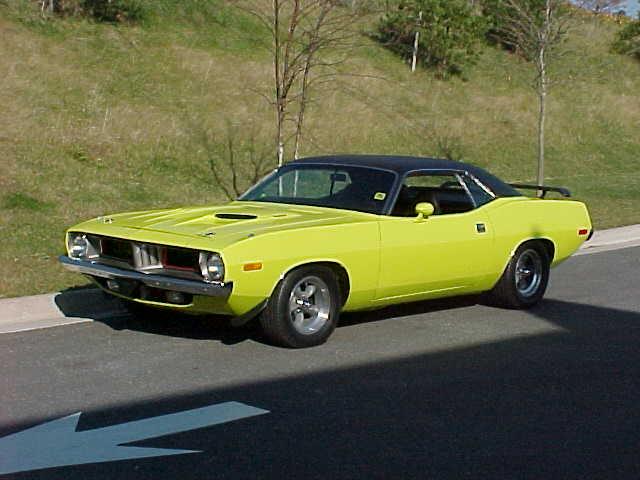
column 354, row 247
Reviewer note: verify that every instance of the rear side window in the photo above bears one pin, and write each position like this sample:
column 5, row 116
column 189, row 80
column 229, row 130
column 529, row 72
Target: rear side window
column 480, row 195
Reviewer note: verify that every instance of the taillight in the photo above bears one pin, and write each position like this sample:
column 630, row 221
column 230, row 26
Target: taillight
column 583, row 231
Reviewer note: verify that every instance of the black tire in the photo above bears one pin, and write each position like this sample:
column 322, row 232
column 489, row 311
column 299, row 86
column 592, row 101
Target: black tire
column 525, row 279
column 303, row 309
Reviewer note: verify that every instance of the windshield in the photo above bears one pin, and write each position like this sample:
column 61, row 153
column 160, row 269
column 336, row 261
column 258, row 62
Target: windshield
column 335, row 186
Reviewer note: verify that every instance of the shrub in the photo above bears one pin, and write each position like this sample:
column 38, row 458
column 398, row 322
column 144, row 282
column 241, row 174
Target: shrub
column 449, row 31
column 627, row 40
column 100, row 10
column 115, row 10
column 498, row 13
column 67, row 7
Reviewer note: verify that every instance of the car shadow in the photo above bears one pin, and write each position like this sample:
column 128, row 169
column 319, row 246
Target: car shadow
column 93, row 303
column 587, row 320
column 89, row 302
column 119, row 315
column 181, row 325
column 218, row 327
column 348, row 319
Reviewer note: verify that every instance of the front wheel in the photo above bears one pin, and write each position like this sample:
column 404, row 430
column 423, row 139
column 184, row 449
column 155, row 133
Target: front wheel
column 303, row 310
column 525, row 279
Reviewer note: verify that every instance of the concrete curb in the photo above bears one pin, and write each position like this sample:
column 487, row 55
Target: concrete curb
column 54, row 309
column 612, row 239
column 85, row 305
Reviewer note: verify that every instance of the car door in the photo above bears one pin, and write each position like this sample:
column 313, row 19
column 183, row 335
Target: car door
column 446, row 252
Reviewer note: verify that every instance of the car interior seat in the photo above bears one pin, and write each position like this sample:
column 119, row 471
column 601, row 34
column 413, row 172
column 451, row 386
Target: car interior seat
column 409, row 197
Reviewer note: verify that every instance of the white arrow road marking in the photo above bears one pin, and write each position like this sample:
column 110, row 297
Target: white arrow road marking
column 57, row 443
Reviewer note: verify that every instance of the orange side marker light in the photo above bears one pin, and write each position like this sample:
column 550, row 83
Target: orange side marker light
column 583, row 231
column 251, row 267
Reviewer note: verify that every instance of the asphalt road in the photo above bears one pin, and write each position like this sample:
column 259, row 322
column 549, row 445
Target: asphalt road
column 432, row 390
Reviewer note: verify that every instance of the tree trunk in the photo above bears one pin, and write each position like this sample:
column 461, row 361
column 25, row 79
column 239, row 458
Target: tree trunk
column 416, row 43
column 542, row 97
column 278, row 78
column 542, row 93
column 303, row 104
column 542, row 114
column 308, row 63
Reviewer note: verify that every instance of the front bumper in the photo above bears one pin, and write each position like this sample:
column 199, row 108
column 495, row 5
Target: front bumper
column 163, row 282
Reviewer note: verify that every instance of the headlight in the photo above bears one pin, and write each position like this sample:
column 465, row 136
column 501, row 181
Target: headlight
column 78, row 245
column 211, row 267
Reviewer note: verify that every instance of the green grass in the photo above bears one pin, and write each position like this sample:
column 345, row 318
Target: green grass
column 100, row 118
column 22, row 201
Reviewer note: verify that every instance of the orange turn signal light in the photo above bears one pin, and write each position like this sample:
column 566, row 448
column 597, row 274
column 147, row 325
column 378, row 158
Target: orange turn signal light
column 583, row 231
column 251, row 267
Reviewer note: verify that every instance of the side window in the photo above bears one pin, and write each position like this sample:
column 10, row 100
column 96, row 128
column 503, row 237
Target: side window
column 480, row 195
column 442, row 189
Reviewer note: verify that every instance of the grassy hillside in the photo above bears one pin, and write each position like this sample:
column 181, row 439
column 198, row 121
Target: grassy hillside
column 98, row 118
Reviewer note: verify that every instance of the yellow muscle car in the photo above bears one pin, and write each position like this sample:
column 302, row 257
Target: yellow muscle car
column 339, row 233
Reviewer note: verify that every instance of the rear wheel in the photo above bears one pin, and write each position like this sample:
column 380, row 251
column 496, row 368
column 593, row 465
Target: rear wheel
column 525, row 279
column 303, row 309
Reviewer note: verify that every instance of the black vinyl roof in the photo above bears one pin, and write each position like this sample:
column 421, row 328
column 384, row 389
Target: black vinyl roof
column 405, row 164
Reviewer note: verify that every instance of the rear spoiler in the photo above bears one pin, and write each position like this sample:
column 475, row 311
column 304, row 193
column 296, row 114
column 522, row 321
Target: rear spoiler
column 561, row 190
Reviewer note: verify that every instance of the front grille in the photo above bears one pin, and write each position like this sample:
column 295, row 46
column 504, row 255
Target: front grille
column 146, row 256
column 176, row 261
column 116, row 249
column 181, row 259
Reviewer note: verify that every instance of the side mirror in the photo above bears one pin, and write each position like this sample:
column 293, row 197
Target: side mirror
column 424, row 210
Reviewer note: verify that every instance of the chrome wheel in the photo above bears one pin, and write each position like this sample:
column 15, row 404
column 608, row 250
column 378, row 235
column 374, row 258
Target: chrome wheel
column 304, row 307
column 309, row 305
column 528, row 274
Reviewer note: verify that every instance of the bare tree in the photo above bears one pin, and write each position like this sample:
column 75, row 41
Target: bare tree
column 237, row 161
column 536, row 29
column 309, row 39
column 47, row 5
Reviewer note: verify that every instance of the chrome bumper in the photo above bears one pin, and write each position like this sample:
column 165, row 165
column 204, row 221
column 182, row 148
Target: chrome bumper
column 163, row 282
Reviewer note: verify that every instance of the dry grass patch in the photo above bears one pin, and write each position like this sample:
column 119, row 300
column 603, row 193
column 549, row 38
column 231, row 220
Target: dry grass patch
column 102, row 118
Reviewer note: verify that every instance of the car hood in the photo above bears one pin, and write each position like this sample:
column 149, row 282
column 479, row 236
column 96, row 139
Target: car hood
column 233, row 222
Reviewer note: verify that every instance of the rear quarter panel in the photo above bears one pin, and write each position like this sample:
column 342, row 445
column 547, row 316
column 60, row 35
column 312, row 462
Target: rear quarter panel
column 516, row 220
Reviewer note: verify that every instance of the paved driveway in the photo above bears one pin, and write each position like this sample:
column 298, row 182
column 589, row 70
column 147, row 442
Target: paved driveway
column 447, row 389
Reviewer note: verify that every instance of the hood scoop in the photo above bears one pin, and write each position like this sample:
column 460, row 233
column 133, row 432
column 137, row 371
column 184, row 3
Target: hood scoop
column 235, row 216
